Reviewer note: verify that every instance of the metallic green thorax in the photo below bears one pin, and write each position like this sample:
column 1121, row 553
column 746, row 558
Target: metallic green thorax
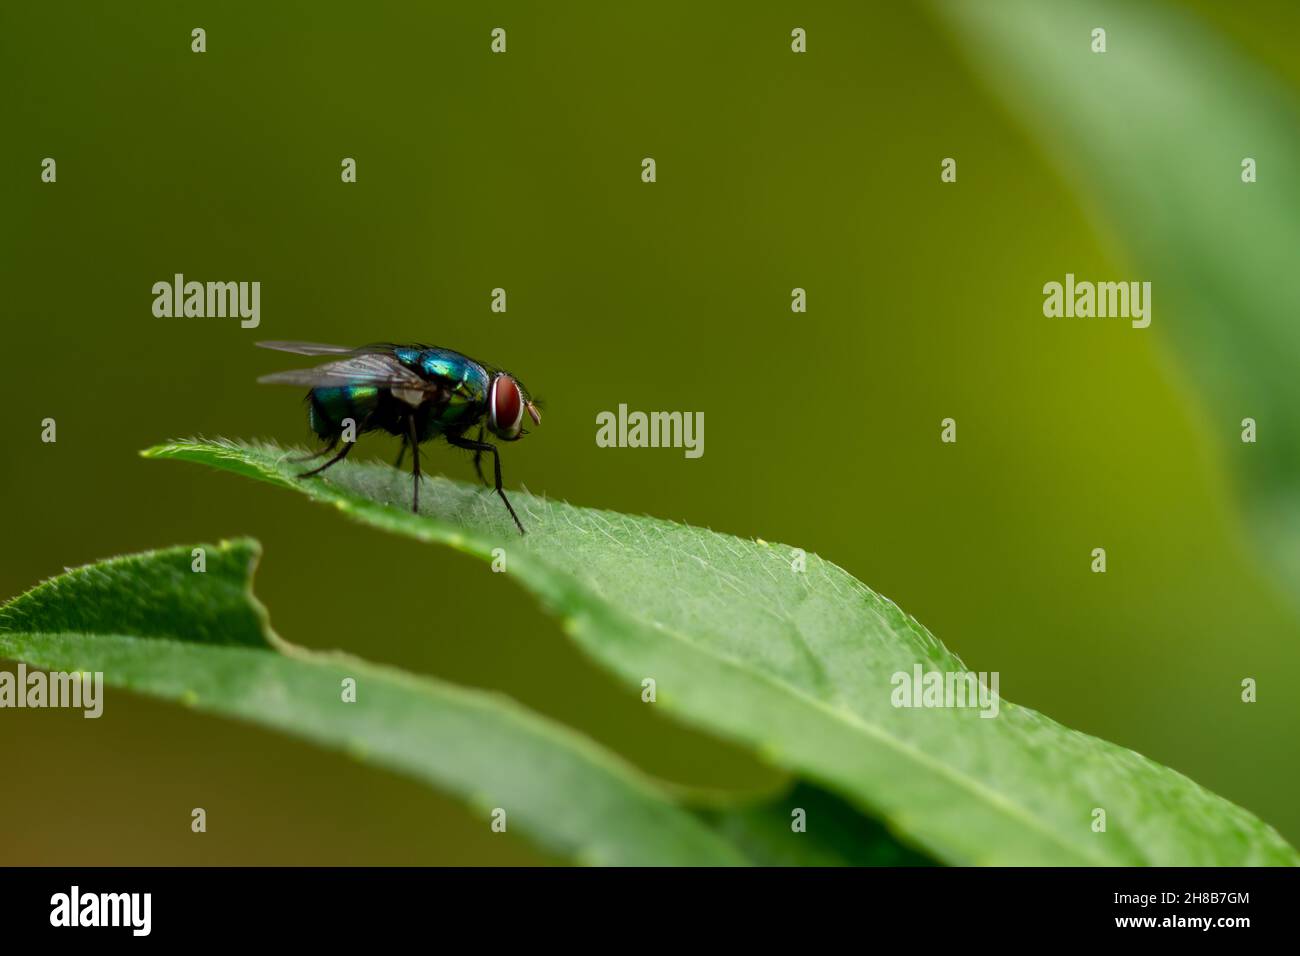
column 466, row 383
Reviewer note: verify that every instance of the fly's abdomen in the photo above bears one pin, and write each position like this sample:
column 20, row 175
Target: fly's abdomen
column 328, row 407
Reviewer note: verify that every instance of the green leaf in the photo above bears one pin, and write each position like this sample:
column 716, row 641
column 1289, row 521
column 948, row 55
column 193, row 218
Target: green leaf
column 799, row 665
column 153, row 625
column 835, row 833
column 1152, row 134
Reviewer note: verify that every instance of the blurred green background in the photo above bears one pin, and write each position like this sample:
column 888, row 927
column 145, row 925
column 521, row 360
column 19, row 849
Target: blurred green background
column 522, row 171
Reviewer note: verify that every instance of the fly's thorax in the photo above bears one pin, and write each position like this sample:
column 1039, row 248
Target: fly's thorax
column 464, row 385
column 466, row 380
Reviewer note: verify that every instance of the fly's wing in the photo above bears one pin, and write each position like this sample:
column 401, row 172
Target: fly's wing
column 309, row 348
column 371, row 368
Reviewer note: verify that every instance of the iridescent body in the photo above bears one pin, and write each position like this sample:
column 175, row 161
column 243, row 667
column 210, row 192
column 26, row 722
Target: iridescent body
column 459, row 403
column 416, row 392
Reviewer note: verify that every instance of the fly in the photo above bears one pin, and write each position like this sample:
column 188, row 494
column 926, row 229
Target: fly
column 416, row 392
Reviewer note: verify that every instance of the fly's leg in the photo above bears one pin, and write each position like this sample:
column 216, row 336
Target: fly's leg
column 329, row 447
column 402, row 453
column 347, row 447
column 482, row 446
column 478, row 458
column 413, row 440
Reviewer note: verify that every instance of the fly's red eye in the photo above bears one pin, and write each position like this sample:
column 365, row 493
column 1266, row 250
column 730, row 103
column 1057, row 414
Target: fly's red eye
column 507, row 404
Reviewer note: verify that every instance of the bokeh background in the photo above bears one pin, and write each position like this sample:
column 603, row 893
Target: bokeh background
column 522, row 171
